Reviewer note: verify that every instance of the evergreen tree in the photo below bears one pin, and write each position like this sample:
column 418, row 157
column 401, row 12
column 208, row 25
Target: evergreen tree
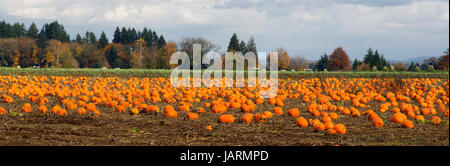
column 161, row 42
column 154, row 38
column 383, row 61
column 412, row 66
column 251, row 46
column 355, row 65
column 103, row 41
column 147, row 36
column 4, row 29
column 234, row 43
column 32, row 31
column 117, row 36
column 375, row 59
column 79, row 39
column 87, row 37
column 133, row 35
column 129, row 36
column 19, row 30
column 92, row 38
column 242, row 47
column 369, row 57
column 55, row 31
column 323, row 63
column 124, row 36
column 42, row 40
column 111, row 56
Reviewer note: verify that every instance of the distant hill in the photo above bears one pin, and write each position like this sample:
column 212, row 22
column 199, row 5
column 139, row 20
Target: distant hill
column 409, row 60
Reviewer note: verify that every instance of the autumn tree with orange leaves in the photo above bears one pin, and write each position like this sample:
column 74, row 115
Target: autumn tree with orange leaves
column 339, row 60
column 283, row 59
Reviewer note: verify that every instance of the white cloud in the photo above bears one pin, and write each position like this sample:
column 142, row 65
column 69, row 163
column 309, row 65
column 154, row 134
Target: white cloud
column 316, row 23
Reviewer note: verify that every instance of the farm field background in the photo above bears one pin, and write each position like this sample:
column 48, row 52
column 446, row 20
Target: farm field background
column 135, row 107
column 166, row 73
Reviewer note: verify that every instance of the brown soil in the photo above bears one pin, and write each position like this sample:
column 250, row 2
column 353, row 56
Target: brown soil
column 113, row 128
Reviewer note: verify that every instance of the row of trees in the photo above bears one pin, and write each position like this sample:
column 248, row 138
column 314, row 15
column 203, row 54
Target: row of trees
column 338, row 60
column 374, row 61
column 129, row 36
column 51, row 47
column 236, row 46
column 430, row 64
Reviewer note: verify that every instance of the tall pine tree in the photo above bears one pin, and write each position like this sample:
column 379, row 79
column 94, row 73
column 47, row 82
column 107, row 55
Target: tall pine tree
column 79, row 39
column 32, row 31
column 251, row 46
column 92, row 38
column 243, row 47
column 117, row 36
column 234, row 43
column 161, row 42
column 124, row 36
column 103, row 41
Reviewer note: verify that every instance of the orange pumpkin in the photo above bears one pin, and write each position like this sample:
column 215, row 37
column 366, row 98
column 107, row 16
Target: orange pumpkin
column 170, row 112
column 152, row 108
column 333, row 115
column 192, row 116
column 425, row 111
column 81, row 111
column 62, row 112
column 55, row 109
column 260, row 118
column 340, row 129
column 302, row 122
column 294, row 112
column 246, row 108
column 326, row 119
column 420, row 119
column 247, row 118
column 378, row 122
column 373, row 116
column 236, row 105
column 407, row 124
column 331, row 131
column 436, row 120
column 200, row 110
column 90, row 107
column 278, row 110
column 227, row 118
column 329, row 125
column 315, row 113
column 8, row 99
column 268, row 114
column 398, row 117
column 135, row 111
column 346, row 111
column 219, row 109
column 26, row 107
column 2, row 111
column 319, row 127
column 395, row 109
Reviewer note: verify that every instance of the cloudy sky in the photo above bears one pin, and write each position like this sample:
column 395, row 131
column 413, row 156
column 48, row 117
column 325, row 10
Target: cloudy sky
column 400, row 29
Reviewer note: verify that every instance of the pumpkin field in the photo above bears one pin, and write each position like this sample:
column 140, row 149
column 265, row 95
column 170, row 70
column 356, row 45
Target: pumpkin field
column 328, row 110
